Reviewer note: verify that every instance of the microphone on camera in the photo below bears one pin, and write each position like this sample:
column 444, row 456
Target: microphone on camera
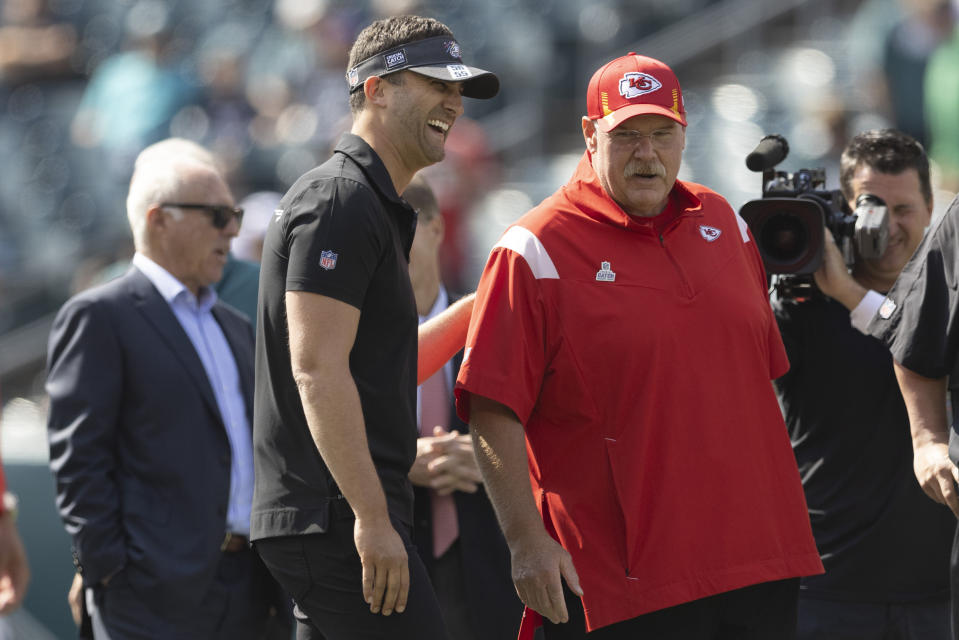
column 770, row 151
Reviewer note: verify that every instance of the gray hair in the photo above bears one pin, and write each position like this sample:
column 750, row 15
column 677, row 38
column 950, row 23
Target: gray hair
column 172, row 148
column 160, row 179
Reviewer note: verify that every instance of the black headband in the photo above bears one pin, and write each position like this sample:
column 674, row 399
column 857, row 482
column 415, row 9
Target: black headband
column 438, row 57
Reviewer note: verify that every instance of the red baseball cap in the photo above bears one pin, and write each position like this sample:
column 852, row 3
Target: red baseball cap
column 630, row 86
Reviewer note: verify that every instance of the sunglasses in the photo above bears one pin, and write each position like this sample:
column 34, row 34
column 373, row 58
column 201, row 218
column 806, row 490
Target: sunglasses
column 220, row 214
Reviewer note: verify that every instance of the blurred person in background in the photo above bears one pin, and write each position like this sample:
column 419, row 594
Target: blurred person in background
column 469, row 173
column 849, row 428
column 14, row 570
column 34, row 46
column 619, row 360
column 941, row 85
column 133, row 95
column 455, row 529
column 221, row 116
column 150, row 381
column 889, row 44
column 258, row 210
column 239, row 285
column 337, row 356
column 865, row 41
column 924, row 25
column 295, row 83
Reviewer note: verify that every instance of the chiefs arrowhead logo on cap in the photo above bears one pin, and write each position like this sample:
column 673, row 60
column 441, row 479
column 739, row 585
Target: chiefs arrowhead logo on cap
column 632, row 85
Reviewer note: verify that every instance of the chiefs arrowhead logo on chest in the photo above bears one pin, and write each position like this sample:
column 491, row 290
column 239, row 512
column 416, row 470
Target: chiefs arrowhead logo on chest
column 709, row 234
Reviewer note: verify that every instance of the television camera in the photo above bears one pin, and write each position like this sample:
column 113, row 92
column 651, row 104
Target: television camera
column 788, row 222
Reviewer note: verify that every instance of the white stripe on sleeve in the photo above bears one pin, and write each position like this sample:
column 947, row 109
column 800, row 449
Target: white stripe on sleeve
column 523, row 242
column 743, row 228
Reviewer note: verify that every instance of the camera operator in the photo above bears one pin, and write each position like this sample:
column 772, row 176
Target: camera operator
column 885, row 545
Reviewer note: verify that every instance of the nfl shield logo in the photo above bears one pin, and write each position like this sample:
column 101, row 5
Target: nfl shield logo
column 328, row 260
column 887, row 309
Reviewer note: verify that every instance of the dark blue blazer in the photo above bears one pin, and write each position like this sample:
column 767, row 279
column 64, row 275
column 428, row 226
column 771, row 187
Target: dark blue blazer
column 138, row 449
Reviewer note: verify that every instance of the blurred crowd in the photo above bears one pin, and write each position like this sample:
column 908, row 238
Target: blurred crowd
column 86, row 84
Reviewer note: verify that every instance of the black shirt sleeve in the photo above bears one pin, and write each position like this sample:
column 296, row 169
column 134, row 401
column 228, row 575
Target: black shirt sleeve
column 918, row 320
column 336, row 239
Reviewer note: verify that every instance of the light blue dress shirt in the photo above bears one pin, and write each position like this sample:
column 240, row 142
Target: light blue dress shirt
column 211, row 345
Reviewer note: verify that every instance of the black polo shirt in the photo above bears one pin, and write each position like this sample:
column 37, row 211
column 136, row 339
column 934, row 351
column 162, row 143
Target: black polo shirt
column 919, row 319
column 850, row 434
column 340, row 231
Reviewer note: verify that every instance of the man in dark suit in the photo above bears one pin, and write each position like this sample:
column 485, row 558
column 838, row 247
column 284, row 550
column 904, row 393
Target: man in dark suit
column 150, row 382
column 455, row 528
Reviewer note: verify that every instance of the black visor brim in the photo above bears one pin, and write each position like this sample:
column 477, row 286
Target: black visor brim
column 480, row 84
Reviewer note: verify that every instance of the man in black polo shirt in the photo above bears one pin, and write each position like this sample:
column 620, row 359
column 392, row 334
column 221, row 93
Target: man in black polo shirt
column 884, row 545
column 336, row 360
column 919, row 321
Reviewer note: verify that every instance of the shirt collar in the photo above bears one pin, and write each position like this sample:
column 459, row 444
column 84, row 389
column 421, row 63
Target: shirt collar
column 169, row 287
column 586, row 192
column 357, row 149
column 360, row 152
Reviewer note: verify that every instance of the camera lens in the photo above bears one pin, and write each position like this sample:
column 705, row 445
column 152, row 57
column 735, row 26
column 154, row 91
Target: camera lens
column 784, row 237
column 788, row 232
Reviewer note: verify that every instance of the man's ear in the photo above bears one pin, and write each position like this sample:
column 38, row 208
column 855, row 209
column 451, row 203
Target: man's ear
column 374, row 89
column 589, row 134
column 156, row 218
column 154, row 215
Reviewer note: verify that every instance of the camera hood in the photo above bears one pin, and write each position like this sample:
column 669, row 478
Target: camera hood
column 788, row 233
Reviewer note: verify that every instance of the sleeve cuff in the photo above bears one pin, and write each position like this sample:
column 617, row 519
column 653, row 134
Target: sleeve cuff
column 865, row 310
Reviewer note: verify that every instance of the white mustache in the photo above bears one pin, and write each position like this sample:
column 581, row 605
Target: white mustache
column 645, row 168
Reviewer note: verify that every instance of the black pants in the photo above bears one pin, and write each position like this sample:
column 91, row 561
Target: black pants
column 821, row 619
column 324, row 575
column 765, row 611
column 449, row 583
column 954, row 578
